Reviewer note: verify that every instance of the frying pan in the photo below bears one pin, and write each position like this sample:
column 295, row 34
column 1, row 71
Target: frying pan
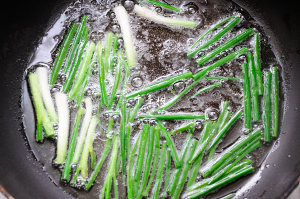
column 25, row 23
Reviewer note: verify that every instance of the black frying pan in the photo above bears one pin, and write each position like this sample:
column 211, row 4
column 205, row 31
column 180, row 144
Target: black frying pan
column 24, row 24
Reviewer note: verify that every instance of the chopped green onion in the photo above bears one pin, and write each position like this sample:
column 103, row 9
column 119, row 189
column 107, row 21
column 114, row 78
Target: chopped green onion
column 113, row 53
column 62, row 54
column 254, row 88
column 63, row 126
column 41, row 114
column 226, row 180
column 213, row 164
column 123, row 19
column 224, row 78
column 209, row 31
column 75, row 43
column 148, row 162
column 240, row 37
column 83, row 130
column 159, row 85
column 275, row 101
column 160, row 171
column 225, row 129
column 140, row 158
column 130, row 177
column 123, row 125
column 180, row 95
column 83, row 164
column 42, row 74
column 111, row 174
column 107, row 50
column 258, row 65
column 76, row 62
column 185, row 170
column 215, row 38
column 83, row 70
column 67, row 167
column 173, row 117
column 170, row 144
column 206, row 89
column 155, row 162
column 267, row 106
column 220, row 62
column 116, row 82
column 164, row 5
column 101, row 74
column 153, row 16
column 135, row 109
column 246, row 97
column 183, row 128
column 167, row 174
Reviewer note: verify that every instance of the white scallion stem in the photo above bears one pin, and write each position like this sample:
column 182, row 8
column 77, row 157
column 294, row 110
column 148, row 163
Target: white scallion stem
column 123, row 19
column 84, row 129
column 42, row 73
column 85, row 152
column 170, row 21
column 63, row 126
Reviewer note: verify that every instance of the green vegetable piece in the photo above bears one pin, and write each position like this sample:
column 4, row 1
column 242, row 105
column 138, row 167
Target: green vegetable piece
column 209, row 31
column 160, row 171
column 224, row 130
column 62, row 54
column 213, row 164
column 83, row 70
column 220, row 62
column 130, row 176
column 148, row 162
column 75, row 43
column 237, row 39
column 141, row 155
column 246, row 97
column 224, row 181
column 173, row 117
column 170, row 144
column 183, row 128
column 101, row 74
column 167, row 174
column 224, row 78
column 185, row 171
column 76, row 62
column 159, row 85
column 206, row 89
column 164, row 5
column 254, row 88
column 275, row 101
column 108, row 49
column 99, row 165
column 67, row 167
column 215, row 38
column 267, row 106
column 41, row 114
column 180, row 95
column 116, row 82
column 258, row 65
column 155, row 162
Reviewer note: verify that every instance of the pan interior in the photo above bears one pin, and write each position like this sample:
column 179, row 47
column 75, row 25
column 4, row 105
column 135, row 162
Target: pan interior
column 161, row 52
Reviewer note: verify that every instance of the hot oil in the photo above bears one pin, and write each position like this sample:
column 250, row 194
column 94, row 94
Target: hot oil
column 161, row 53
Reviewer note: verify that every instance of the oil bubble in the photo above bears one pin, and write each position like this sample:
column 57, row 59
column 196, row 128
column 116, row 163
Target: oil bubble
column 212, row 113
column 137, row 82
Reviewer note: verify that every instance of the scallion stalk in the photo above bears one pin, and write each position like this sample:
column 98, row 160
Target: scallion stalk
column 63, row 126
column 62, row 54
column 169, row 21
column 123, row 19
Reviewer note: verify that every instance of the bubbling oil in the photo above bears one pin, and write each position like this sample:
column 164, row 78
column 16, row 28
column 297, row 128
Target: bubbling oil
column 161, row 53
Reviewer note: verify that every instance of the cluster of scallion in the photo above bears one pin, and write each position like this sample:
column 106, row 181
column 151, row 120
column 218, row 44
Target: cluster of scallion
column 140, row 173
